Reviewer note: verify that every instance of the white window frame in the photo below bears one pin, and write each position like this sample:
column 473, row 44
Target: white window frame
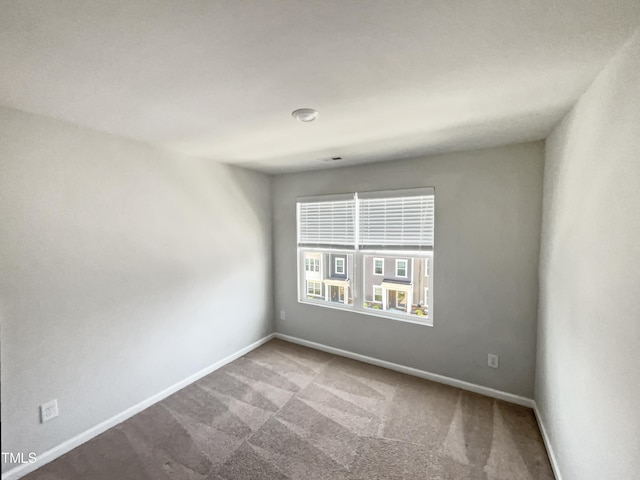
column 358, row 267
column 344, row 267
column 406, row 267
column 375, row 259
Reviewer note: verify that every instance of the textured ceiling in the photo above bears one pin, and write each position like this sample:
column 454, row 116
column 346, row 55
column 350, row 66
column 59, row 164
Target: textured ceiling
column 391, row 79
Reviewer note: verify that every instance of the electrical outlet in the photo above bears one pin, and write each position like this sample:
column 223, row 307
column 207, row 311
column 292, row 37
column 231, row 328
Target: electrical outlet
column 282, row 315
column 48, row 411
column 493, row 360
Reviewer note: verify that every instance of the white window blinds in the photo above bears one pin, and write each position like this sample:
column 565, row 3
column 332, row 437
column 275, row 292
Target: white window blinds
column 327, row 223
column 400, row 219
column 397, row 219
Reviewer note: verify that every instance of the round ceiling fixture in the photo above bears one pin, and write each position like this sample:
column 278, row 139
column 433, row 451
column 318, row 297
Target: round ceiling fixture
column 305, row 114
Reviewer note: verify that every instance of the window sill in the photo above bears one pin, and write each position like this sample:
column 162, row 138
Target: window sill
column 368, row 312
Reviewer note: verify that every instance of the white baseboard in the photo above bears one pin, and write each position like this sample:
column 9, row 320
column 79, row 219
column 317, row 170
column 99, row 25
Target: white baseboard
column 59, row 450
column 547, row 443
column 471, row 387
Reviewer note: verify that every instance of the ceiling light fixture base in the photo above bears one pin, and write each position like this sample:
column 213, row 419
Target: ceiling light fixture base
column 305, row 114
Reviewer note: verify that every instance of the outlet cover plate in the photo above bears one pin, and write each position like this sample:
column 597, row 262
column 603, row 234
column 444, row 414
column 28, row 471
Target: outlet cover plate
column 48, row 411
column 493, row 360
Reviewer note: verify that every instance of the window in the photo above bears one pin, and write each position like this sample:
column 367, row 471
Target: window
column 378, row 266
column 401, row 268
column 345, row 241
column 312, row 264
column 314, row 289
column 326, row 232
column 377, row 294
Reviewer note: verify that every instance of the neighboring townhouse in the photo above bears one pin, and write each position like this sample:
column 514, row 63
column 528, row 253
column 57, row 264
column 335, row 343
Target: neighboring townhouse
column 313, row 275
column 327, row 276
column 392, row 283
column 338, row 282
column 397, row 283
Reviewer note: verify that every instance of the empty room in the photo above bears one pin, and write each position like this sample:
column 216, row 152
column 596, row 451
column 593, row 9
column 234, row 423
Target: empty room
column 320, row 239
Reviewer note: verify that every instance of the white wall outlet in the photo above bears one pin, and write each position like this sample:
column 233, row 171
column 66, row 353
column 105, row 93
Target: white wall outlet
column 493, row 360
column 48, row 410
column 282, row 315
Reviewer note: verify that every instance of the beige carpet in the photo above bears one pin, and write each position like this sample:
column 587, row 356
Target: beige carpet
column 288, row 412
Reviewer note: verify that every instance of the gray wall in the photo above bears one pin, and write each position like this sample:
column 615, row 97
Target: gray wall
column 124, row 269
column 488, row 207
column 588, row 371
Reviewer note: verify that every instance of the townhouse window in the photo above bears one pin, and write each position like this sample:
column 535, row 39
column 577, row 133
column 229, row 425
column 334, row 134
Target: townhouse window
column 377, row 294
column 314, row 288
column 378, row 266
column 401, row 268
column 312, row 264
column 369, row 252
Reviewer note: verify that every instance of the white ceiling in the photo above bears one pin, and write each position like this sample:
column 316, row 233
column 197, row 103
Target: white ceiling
column 391, row 79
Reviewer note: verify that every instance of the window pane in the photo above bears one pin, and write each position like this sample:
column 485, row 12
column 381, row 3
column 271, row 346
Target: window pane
column 403, row 289
column 378, row 266
column 327, row 276
column 401, row 268
column 314, row 288
column 377, row 294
